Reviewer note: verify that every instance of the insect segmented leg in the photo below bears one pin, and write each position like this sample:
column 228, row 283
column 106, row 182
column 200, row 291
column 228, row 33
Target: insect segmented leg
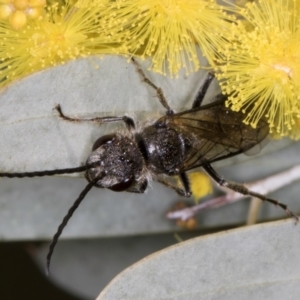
column 159, row 92
column 186, row 184
column 185, row 191
column 203, row 89
column 100, row 120
column 240, row 188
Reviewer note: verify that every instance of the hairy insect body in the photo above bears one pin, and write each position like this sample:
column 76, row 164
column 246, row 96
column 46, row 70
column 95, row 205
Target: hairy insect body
column 164, row 149
column 170, row 146
column 117, row 163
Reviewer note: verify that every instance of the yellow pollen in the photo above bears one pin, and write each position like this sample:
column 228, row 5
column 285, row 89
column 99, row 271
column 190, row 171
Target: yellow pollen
column 285, row 69
column 5, row 11
column 20, row 4
column 18, row 19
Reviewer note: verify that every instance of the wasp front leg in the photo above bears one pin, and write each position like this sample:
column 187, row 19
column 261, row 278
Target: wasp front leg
column 99, row 120
column 183, row 191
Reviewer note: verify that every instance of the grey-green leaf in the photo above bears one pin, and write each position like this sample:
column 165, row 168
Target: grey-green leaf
column 257, row 262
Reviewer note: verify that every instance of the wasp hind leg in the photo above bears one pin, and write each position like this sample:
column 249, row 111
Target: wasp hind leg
column 240, row 188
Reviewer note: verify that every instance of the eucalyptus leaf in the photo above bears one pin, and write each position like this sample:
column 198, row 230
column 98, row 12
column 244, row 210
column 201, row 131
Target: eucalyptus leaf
column 85, row 266
column 257, row 262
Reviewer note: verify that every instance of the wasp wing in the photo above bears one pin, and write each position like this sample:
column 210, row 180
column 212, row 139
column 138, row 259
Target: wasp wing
column 214, row 132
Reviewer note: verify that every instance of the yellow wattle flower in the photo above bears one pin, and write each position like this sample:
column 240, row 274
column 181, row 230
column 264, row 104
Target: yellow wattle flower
column 260, row 68
column 200, row 185
column 64, row 33
column 17, row 11
column 169, row 30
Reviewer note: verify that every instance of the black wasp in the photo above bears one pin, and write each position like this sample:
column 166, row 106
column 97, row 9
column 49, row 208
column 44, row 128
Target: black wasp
column 172, row 145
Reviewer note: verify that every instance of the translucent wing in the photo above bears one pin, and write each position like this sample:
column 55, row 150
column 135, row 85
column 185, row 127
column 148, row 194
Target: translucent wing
column 214, row 132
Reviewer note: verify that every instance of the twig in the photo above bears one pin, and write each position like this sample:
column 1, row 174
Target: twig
column 253, row 211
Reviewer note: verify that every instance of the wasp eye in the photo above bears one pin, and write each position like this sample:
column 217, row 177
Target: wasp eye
column 105, row 139
column 122, row 186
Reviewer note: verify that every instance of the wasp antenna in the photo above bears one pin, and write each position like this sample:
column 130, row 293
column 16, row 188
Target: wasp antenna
column 45, row 172
column 65, row 222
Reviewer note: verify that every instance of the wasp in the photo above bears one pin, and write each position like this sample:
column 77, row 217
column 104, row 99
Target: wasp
column 170, row 146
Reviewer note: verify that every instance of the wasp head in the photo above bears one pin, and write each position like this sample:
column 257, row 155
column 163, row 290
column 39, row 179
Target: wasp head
column 116, row 163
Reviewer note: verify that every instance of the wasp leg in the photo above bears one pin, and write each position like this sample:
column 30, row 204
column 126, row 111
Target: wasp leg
column 203, row 89
column 185, row 191
column 101, row 120
column 186, row 184
column 240, row 188
column 159, row 92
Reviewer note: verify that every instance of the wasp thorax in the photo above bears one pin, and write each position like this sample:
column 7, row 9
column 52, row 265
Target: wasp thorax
column 117, row 163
